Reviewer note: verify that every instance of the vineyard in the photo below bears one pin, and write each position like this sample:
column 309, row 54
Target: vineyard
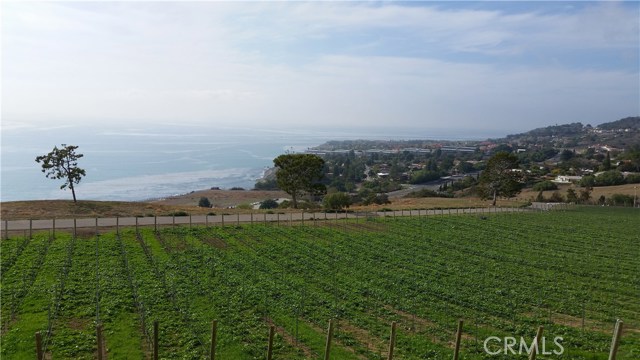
column 575, row 272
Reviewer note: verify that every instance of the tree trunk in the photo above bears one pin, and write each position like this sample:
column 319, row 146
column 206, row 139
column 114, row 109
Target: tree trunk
column 73, row 191
column 295, row 200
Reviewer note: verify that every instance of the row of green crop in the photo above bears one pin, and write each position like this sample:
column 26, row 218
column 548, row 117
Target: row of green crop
column 505, row 274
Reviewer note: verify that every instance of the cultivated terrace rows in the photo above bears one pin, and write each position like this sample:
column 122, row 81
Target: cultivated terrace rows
column 575, row 272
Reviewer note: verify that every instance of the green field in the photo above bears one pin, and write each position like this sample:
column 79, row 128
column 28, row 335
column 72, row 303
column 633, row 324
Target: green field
column 575, row 272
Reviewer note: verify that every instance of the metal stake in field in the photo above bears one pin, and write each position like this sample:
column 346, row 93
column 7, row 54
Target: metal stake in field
column 39, row 355
column 99, row 340
column 617, row 332
column 536, row 344
column 327, row 348
column 214, row 334
column 392, row 340
column 456, row 350
column 155, row 340
column 272, row 330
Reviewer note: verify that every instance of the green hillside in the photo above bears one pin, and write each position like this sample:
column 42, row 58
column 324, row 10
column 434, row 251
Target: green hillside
column 575, row 272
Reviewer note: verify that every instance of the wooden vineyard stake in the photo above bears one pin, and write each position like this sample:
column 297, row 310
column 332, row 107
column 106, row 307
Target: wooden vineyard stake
column 74, row 228
column 214, row 334
column 616, row 340
column 155, row 340
column 99, row 341
column 456, row 350
column 39, row 346
column 536, row 344
column 392, row 340
column 327, row 348
column 272, row 330
column 6, row 228
column 30, row 228
column 117, row 226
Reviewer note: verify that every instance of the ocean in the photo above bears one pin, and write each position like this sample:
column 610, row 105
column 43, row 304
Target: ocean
column 141, row 163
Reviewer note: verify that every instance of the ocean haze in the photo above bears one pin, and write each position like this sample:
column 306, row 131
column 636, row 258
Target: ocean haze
column 143, row 163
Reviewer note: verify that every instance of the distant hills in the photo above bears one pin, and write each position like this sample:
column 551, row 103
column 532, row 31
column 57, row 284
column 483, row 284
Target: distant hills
column 620, row 134
column 632, row 122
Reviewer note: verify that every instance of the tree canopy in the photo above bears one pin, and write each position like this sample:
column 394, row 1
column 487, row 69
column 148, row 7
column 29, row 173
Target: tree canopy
column 500, row 177
column 63, row 164
column 300, row 174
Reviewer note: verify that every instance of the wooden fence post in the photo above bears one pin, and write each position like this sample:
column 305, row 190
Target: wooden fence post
column 30, row 228
column 272, row 330
column 74, row 228
column 39, row 346
column 137, row 231
column 54, row 227
column 616, row 340
column 392, row 340
column 190, row 221
column 99, row 341
column 536, row 344
column 97, row 233
column 6, row 228
column 456, row 350
column 214, row 334
column 117, row 225
column 327, row 348
column 155, row 340
column 155, row 223
column 206, row 220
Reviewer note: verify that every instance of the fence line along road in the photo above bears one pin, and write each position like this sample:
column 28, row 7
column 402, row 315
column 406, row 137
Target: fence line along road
column 229, row 219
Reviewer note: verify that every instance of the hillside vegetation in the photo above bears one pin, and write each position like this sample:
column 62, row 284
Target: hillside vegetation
column 574, row 272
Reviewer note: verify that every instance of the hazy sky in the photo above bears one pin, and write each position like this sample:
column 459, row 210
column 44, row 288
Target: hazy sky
column 463, row 65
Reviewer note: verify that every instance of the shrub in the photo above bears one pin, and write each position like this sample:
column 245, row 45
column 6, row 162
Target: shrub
column 426, row 193
column 204, row 202
column 556, row 197
column 633, row 179
column 245, row 206
column 179, row 213
column 237, row 188
column 588, row 181
column 608, row 178
column 382, row 199
column 336, row 201
column 620, row 200
column 545, row 186
column 269, row 204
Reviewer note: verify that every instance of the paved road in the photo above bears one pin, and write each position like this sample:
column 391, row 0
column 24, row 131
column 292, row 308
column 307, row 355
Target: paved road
column 103, row 223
